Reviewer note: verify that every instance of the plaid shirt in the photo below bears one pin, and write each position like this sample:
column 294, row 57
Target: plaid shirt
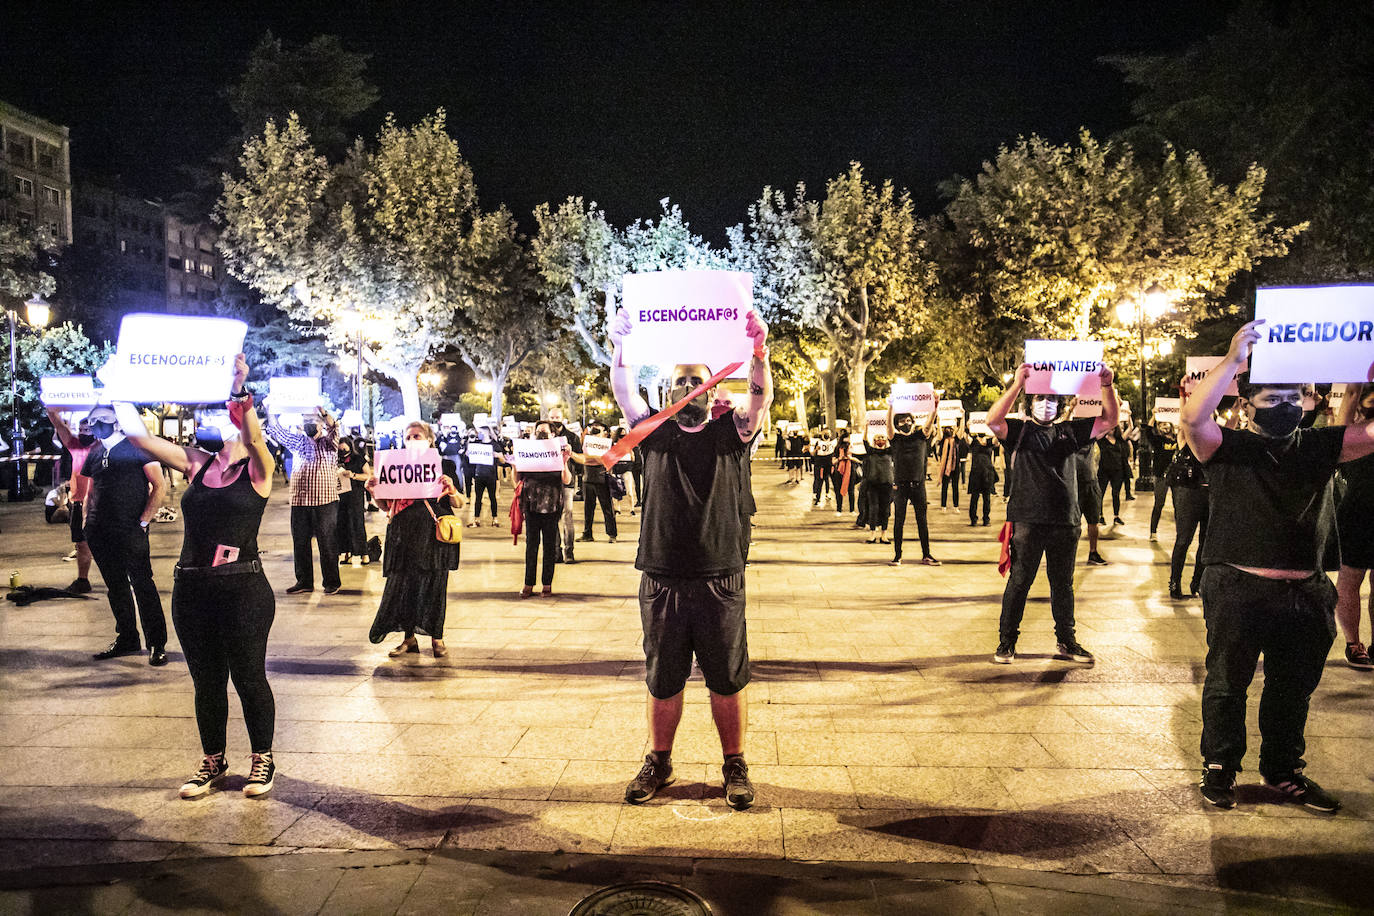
column 314, row 464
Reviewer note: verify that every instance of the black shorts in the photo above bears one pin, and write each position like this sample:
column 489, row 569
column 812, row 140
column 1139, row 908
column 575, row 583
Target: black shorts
column 78, row 531
column 1090, row 500
column 701, row 616
column 1356, row 536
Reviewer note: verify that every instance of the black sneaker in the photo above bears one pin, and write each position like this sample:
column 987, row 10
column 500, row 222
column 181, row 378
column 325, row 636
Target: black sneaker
column 115, row 650
column 1218, row 786
column 585, row 539
column 332, row 589
column 260, row 775
column 1005, row 654
column 212, row 769
column 653, row 776
column 739, row 791
column 1096, row 559
column 1357, row 657
column 1073, row 652
column 1306, row 793
column 79, row 586
column 299, row 589
column 157, row 656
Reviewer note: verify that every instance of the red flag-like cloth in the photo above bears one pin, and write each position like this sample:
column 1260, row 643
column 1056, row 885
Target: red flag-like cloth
column 645, row 427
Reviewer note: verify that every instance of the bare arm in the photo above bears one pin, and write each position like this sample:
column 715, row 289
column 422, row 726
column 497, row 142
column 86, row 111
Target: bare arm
column 749, row 418
column 177, row 457
column 1359, row 439
column 65, row 434
column 997, row 413
column 1111, row 410
column 153, row 471
column 1204, row 435
column 624, row 379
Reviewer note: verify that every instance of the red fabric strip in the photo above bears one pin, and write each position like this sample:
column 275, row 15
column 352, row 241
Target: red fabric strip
column 645, row 427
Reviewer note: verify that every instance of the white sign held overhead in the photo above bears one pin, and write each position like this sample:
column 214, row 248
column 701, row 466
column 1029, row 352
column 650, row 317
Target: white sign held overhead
column 480, row 453
column 1088, row 407
column 688, row 316
column 596, row 446
column 301, row 393
column 1196, row 369
column 404, row 473
column 875, row 424
column 1167, row 410
column 856, row 444
column 539, row 454
column 978, row 423
column 451, row 419
column 1064, row 367
column 1314, row 334
column 67, row 391
column 950, row 412
column 352, row 419
column 182, row 359
column 912, row 398
column 842, row 424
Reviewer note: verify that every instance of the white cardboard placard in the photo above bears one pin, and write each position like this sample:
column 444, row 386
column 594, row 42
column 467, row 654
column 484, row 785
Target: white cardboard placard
column 404, row 473
column 875, row 423
column 480, row 420
column 1167, row 410
column 978, row 423
column 451, row 419
column 480, row 453
column 950, row 411
column 1314, row 334
column 352, row 419
column 687, row 316
column 912, row 398
column 856, row 444
column 183, row 359
column 1064, row 367
column 300, row 392
column 1196, row 369
column 596, row 446
column 539, row 454
column 1088, row 406
column 67, row 391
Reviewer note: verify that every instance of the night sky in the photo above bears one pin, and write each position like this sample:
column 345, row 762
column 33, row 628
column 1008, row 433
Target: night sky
column 624, row 104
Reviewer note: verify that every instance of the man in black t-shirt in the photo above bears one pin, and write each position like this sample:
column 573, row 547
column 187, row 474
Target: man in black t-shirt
column 910, row 451
column 1043, row 510
column 126, row 490
column 691, row 593
column 1263, row 590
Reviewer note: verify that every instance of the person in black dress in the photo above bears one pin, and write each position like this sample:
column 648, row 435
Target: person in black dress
column 222, row 603
column 982, row 477
column 415, row 563
column 353, row 472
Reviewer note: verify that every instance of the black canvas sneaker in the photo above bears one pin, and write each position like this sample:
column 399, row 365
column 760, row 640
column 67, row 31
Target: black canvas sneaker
column 1306, row 793
column 1005, row 654
column 260, row 775
column 1073, row 652
column 212, row 770
column 1357, row 657
column 1218, row 786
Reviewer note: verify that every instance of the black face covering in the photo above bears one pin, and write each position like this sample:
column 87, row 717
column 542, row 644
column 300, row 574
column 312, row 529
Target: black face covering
column 103, row 429
column 556, row 427
column 906, row 424
column 208, row 438
column 86, row 439
column 311, row 429
column 1280, row 420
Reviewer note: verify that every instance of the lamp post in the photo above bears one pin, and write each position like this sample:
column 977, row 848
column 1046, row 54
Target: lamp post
column 1148, row 307
column 37, row 312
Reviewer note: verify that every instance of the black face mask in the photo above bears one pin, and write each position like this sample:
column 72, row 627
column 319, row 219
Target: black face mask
column 541, row 435
column 1280, row 420
column 557, row 428
column 209, row 439
column 905, row 425
column 103, row 429
column 86, row 439
column 311, row 429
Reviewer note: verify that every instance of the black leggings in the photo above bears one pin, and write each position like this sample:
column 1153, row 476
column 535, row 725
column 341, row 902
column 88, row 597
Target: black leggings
column 949, row 482
column 973, row 497
column 222, row 623
column 914, row 492
column 541, row 527
column 479, row 485
column 837, row 481
column 1190, row 514
column 1116, row 484
column 820, row 481
column 1161, row 488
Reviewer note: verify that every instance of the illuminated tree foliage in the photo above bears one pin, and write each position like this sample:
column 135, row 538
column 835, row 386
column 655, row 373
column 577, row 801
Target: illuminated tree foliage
column 63, row 349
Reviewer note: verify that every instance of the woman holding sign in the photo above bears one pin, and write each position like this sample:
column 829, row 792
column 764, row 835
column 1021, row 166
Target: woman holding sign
column 541, row 503
column 222, row 603
column 415, row 563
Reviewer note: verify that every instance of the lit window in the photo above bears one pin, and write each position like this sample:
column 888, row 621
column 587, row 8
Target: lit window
column 207, row 269
column 123, row 246
column 188, row 265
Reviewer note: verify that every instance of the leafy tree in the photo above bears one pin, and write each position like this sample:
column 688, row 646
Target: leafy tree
column 63, row 349
column 554, row 372
column 22, row 264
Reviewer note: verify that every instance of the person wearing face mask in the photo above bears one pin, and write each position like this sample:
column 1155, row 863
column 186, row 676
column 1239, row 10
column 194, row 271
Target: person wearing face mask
column 982, row 477
column 692, row 589
column 950, row 439
column 541, row 503
column 878, row 488
column 484, row 477
column 597, row 491
column 566, row 525
column 910, row 451
column 314, row 498
column 1114, row 467
column 1043, row 510
column 1264, row 592
column 1356, row 531
column 222, row 603
column 415, row 564
column 822, row 460
column 125, row 493
column 354, row 472
column 1163, row 442
column 79, row 445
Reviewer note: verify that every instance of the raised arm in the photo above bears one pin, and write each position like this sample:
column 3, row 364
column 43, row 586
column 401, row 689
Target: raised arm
column 749, row 416
column 177, row 457
column 1198, row 414
column 624, row 379
column 997, row 413
column 261, row 464
column 1111, row 409
column 68, row 438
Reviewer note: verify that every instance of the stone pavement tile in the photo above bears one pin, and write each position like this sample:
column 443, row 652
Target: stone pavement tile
column 1355, row 791
column 20, row 730
column 818, row 748
column 82, row 766
column 1147, row 694
column 697, row 741
column 21, row 855
column 605, row 781
column 1123, row 752
column 375, row 822
column 238, row 884
column 929, row 788
column 538, row 826
column 1105, row 792
column 1064, row 694
column 1049, row 840
column 780, row 717
column 221, row 850
column 372, row 890
column 1341, row 754
column 84, row 898
column 487, row 777
column 223, row 816
column 539, row 712
column 314, row 684
column 73, row 813
column 797, row 786
column 889, row 835
column 695, row 829
column 335, row 737
column 582, row 743
column 1325, row 722
column 1140, row 720
column 484, row 740
column 980, row 750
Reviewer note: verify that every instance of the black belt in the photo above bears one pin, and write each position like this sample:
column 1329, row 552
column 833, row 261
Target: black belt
column 228, row 569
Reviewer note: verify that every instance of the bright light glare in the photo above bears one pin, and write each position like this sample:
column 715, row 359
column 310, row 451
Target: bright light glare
column 1126, row 312
column 483, row 386
column 1156, row 301
column 823, row 364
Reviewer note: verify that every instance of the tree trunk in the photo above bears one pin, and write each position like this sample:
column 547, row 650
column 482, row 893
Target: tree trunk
column 498, row 395
column 857, row 372
column 826, row 382
column 408, row 381
column 799, row 404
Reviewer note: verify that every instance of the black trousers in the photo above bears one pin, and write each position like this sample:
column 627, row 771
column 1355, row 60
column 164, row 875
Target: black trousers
column 479, row 485
column 1058, row 544
column 1116, row 483
column 321, row 524
column 836, row 482
column 949, row 482
column 879, row 496
column 1161, row 488
column 541, row 528
column 1292, row 624
column 986, row 497
column 598, row 491
column 222, row 623
column 1190, row 514
column 913, row 492
column 121, row 555
column 820, row 480
column 352, row 523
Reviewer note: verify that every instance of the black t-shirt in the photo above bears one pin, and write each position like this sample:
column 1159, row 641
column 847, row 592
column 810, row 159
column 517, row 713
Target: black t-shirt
column 1271, row 501
column 878, row 465
column 1116, row 457
column 909, row 453
column 119, row 488
column 1044, row 479
column 1162, row 450
column 1084, row 465
column 693, row 501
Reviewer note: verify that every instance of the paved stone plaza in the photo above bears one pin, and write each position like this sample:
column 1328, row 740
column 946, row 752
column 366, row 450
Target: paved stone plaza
column 879, row 733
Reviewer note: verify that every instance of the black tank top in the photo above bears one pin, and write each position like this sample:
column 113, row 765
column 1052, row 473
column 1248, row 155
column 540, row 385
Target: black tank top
column 215, row 516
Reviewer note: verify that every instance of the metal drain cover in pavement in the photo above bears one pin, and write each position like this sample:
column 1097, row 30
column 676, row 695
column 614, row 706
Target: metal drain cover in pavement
column 642, row 898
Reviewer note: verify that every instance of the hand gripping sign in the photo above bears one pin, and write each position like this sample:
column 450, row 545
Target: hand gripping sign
column 1064, row 367
column 68, row 392
column 875, row 424
column 978, row 423
column 912, row 397
column 950, row 412
column 596, row 446
column 404, row 473
column 1314, row 334
column 480, row 453
column 1088, row 407
column 183, row 359
column 687, row 316
column 539, row 454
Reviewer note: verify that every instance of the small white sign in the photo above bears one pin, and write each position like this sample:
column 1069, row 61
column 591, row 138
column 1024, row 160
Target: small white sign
column 1064, row 367
column 451, row 420
column 1314, row 334
column 875, row 424
column 480, row 453
column 1335, row 400
column 687, row 316
column 856, row 444
column 596, row 446
column 481, row 420
column 912, row 398
column 978, row 423
column 950, row 412
column 1167, row 410
column 68, row 391
column 351, row 419
column 1088, row 407
column 182, row 359
column 300, row 393
column 404, row 473
column 539, row 454
column 1196, row 369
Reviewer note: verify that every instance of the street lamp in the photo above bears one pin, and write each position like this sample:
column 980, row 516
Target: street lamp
column 1144, row 309
column 353, row 323
column 37, row 312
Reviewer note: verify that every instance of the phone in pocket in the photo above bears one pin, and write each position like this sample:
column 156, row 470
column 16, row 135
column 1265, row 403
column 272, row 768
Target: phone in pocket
column 225, row 554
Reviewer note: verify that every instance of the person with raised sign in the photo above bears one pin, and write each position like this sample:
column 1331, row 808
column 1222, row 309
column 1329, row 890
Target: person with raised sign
column 222, row 603
column 597, row 490
column 1162, row 438
column 567, row 527
column 692, row 590
column 485, row 452
column 541, row 504
column 1263, row 590
column 1043, row 510
column 910, row 451
column 314, row 487
column 79, row 445
column 877, row 489
column 982, row 476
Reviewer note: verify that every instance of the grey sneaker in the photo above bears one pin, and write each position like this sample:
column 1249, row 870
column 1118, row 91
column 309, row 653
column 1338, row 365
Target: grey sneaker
column 739, row 791
column 653, row 776
column 1005, row 654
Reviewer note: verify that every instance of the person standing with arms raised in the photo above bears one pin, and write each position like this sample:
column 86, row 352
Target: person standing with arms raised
column 910, row 451
column 79, row 445
column 692, row 588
